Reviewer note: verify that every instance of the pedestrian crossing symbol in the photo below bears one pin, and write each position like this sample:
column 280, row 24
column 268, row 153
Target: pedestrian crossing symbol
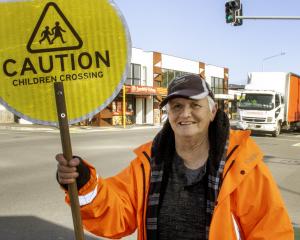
column 53, row 32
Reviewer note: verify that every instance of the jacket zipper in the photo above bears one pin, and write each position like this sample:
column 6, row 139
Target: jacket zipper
column 232, row 151
column 144, row 197
column 233, row 161
column 230, row 166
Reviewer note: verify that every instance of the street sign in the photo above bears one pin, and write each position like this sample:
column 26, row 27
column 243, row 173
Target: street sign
column 60, row 60
column 84, row 44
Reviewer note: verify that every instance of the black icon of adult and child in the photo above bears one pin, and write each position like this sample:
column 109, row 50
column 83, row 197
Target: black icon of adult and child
column 56, row 31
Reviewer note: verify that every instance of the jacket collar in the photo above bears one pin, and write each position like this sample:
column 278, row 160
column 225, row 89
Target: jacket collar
column 143, row 148
column 236, row 140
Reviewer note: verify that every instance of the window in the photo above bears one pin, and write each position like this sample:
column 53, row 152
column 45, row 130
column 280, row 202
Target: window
column 168, row 76
column 144, row 76
column 134, row 75
column 256, row 101
column 277, row 100
column 157, row 84
column 217, row 85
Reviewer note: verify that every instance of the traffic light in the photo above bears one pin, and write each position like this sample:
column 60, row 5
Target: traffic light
column 229, row 11
column 233, row 8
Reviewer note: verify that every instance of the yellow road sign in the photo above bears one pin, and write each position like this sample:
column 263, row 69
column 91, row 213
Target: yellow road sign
column 84, row 44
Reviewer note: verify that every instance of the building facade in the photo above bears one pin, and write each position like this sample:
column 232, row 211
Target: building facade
column 146, row 86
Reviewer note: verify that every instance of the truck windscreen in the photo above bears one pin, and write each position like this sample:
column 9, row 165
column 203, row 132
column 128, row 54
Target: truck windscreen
column 256, row 101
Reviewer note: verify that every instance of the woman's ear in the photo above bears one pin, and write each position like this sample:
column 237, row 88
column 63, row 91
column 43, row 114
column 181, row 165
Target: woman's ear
column 213, row 112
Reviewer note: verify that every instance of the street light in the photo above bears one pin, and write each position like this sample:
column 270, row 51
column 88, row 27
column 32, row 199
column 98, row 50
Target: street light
column 267, row 58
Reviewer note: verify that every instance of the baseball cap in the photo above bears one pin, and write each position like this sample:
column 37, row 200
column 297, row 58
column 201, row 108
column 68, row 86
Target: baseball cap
column 190, row 86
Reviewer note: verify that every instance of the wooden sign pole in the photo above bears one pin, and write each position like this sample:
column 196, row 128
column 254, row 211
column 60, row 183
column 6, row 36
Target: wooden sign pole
column 67, row 151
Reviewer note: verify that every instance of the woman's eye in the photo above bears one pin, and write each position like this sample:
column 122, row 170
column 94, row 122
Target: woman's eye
column 176, row 107
column 195, row 105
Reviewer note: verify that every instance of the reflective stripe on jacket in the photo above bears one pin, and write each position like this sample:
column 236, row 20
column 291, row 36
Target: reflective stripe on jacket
column 249, row 205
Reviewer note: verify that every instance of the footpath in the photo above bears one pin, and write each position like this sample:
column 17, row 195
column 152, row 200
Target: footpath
column 73, row 128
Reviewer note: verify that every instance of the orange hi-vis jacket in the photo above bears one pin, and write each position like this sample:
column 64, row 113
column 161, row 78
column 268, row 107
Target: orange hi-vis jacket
column 249, row 205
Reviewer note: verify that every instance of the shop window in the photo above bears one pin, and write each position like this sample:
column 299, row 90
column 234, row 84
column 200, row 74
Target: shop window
column 117, row 110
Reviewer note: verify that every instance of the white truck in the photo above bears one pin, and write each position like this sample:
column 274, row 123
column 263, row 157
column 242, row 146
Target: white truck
column 270, row 102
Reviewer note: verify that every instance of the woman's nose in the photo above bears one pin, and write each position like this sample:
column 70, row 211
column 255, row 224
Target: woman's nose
column 186, row 111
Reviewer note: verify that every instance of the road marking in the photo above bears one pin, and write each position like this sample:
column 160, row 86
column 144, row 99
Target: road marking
column 286, row 139
column 279, row 139
column 285, row 161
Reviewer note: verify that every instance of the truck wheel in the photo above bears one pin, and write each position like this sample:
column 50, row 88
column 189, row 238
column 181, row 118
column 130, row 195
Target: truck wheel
column 277, row 131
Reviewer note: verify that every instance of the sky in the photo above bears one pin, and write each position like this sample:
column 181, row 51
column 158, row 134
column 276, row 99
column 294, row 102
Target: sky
column 196, row 30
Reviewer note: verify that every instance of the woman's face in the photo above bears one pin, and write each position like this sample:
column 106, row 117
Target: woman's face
column 190, row 118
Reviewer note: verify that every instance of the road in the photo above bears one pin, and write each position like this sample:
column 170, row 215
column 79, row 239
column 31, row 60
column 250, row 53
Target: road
column 32, row 205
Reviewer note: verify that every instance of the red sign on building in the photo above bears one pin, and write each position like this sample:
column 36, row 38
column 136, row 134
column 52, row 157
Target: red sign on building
column 141, row 90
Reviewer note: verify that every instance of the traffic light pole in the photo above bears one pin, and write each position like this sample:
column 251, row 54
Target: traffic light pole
column 268, row 17
column 234, row 14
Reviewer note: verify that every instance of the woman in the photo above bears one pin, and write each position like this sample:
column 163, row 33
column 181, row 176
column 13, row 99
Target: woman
column 196, row 180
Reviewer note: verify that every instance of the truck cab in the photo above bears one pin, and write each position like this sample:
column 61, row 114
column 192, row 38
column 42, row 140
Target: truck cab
column 261, row 111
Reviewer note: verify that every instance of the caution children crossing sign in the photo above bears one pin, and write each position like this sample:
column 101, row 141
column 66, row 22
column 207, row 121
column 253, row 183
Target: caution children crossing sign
column 84, row 44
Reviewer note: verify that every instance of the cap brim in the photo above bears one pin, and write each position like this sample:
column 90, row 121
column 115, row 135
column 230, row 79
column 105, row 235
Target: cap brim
column 189, row 94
